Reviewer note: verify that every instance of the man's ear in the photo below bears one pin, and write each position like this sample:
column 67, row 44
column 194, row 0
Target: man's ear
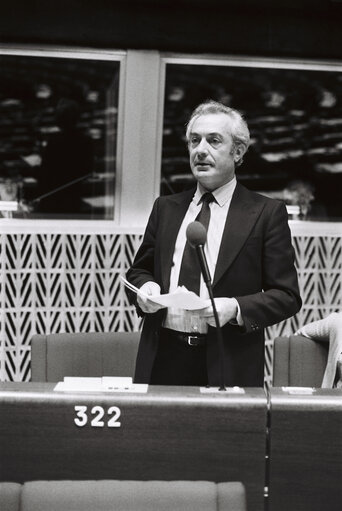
column 239, row 152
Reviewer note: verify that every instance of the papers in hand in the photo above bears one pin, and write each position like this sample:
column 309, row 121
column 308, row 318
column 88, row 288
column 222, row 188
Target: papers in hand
column 180, row 299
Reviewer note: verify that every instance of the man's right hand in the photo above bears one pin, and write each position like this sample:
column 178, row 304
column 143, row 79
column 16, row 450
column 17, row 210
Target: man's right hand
column 150, row 289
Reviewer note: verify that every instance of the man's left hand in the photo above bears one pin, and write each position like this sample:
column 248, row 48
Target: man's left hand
column 226, row 311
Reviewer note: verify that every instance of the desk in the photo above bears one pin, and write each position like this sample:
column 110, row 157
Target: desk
column 305, row 451
column 167, row 433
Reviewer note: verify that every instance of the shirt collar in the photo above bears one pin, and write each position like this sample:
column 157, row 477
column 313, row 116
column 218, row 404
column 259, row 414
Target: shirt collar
column 222, row 194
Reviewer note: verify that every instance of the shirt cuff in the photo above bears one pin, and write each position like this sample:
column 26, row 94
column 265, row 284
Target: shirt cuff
column 238, row 320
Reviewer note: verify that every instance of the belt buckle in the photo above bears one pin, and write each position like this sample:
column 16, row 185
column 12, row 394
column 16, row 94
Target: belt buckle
column 192, row 340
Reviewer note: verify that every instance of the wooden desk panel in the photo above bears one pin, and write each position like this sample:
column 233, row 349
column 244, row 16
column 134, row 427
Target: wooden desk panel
column 168, row 433
column 306, row 451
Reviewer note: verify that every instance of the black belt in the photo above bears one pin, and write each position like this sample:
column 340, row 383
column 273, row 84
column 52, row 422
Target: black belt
column 191, row 339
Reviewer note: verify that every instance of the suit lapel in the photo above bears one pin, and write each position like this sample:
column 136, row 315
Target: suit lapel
column 175, row 210
column 242, row 215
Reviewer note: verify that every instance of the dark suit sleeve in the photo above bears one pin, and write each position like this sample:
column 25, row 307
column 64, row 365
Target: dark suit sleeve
column 142, row 269
column 280, row 297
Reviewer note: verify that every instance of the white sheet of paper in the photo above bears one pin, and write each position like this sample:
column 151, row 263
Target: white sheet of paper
column 104, row 384
column 181, row 298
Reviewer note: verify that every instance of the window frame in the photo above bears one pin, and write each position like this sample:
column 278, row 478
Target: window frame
column 140, row 130
column 333, row 227
column 69, row 225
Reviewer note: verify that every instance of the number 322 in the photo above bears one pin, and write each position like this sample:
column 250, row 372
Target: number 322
column 82, row 418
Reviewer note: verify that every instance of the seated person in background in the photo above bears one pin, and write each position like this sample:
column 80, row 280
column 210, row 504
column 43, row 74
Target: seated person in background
column 250, row 258
column 67, row 156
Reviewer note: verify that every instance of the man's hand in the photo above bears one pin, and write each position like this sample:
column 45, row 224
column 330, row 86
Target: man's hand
column 151, row 289
column 226, row 310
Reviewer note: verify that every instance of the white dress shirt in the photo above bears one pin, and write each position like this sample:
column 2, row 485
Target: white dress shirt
column 191, row 321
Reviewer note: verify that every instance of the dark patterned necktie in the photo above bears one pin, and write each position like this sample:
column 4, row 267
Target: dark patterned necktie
column 190, row 271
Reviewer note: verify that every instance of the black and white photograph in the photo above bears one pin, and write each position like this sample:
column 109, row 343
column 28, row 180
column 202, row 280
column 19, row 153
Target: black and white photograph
column 171, row 255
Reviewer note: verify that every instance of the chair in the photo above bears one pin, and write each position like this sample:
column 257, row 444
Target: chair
column 122, row 496
column 93, row 354
column 298, row 361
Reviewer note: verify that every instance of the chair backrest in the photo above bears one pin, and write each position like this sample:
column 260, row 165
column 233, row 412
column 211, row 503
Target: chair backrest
column 93, row 354
column 123, row 495
column 298, row 361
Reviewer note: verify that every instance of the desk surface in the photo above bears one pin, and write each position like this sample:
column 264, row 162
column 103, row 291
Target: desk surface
column 167, row 433
column 295, row 398
column 254, row 395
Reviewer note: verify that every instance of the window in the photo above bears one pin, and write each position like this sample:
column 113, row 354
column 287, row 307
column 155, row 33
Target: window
column 58, row 121
column 294, row 112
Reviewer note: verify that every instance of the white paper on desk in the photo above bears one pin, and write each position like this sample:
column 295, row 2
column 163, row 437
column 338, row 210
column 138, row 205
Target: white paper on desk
column 79, row 384
column 299, row 390
column 104, row 384
column 117, row 381
column 180, row 299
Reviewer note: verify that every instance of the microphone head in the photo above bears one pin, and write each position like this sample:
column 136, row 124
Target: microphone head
column 196, row 234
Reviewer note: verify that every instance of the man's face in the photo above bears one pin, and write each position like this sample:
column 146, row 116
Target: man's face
column 211, row 149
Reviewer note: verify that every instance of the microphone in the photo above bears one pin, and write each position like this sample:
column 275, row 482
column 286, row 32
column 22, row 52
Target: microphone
column 196, row 235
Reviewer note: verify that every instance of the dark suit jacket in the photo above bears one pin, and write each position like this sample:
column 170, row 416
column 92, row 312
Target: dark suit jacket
column 255, row 265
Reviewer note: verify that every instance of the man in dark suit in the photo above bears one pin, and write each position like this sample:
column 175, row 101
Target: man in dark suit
column 249, row 255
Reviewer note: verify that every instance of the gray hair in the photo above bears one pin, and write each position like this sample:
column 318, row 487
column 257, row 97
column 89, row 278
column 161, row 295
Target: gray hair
column 239, row 129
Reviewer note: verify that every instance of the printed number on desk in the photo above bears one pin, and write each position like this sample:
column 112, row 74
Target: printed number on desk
column 99, row 417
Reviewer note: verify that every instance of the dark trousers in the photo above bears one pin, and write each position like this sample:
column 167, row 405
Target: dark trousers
column 178, row 363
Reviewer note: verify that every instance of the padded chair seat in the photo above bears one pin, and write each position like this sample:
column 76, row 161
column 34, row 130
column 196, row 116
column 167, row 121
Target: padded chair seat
column 90, row 354
column 125, row 496
column 298, row 361
column 10, row 495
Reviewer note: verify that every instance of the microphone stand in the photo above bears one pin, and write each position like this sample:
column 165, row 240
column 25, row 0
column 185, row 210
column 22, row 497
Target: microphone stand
column 207, row 279
column 60, row 188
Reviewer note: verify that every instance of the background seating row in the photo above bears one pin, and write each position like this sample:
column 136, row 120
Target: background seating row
column 297, row 360
column 122, row 496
